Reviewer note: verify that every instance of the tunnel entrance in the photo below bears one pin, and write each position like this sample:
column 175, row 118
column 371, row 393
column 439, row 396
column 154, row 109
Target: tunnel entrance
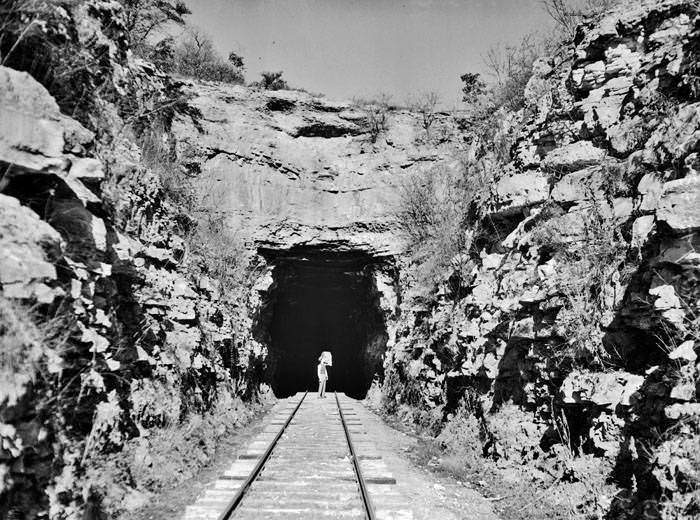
column 323, row 301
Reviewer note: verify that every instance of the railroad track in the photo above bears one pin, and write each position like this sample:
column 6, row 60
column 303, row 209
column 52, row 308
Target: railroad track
column 312, row 460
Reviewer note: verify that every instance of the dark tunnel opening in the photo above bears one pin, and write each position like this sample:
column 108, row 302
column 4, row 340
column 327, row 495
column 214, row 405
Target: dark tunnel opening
column 323, row 301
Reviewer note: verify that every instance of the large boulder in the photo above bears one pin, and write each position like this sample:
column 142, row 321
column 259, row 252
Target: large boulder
column 35, row 138
column 31, row 134
column 573, row 157
column 521, row 190
column 679, row 206
column 605, row 389
column 29, row 249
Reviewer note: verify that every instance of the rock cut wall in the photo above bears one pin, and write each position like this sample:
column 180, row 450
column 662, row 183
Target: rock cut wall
column 585, row 312
column 293, row 170
column 107, row 336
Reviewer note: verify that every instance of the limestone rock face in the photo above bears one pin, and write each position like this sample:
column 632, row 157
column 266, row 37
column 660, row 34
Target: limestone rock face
column 300, row 170
column 88, row 238
column 29, row 248
column 35, row 136
column 32, row 134
column 679, row 206
column 522, row 190
column 574, row 156
column 592, row 255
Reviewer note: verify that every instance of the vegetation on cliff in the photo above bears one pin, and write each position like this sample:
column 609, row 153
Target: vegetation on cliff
column 549, row 334
column 543, row 330
column 126, row 343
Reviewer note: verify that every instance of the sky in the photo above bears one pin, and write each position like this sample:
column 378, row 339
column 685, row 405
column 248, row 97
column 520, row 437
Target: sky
column 359, row 48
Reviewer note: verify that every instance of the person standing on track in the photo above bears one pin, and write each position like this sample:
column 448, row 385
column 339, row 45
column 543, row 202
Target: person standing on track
column 323, row 361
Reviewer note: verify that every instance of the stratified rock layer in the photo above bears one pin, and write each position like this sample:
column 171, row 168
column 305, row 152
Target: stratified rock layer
column 606, row 158
column 296, row 170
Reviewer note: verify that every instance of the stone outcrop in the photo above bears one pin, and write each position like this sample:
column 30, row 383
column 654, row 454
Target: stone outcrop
column 296, row 170
column 108, row 333
column 577, row 314
column 597, row 268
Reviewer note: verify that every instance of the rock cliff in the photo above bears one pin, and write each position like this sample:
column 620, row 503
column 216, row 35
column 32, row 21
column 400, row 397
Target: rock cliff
column 565, row 341
column 109, row 336
column 584, row 310
column 290, row 169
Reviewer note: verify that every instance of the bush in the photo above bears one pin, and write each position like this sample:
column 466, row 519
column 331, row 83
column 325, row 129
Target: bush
column 41, row 37
column 473, row 87
column 376, row 113
column 220, row 253
column 271, row 81
column 462, row 434
column 213, row 249
column 425, row 105
column 511, row 68
column 439, row 212
column 590, row 270
column 568, row 14
column 195, row 57
column 157, row 155
column 146, row 19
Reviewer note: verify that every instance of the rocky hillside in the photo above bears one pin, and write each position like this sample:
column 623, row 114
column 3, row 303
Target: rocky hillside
column 133, row 209
column 115, row 347
column 569, row 351
column 149, row 226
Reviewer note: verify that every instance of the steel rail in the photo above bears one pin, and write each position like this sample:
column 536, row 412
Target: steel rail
column 369, row 508
column 238, row 497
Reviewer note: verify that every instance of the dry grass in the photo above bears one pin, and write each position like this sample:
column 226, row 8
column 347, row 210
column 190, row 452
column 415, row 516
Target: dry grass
column 439, row 214
column 214, row 249
column 20, row 347
column 589, row 269
column 458, row 452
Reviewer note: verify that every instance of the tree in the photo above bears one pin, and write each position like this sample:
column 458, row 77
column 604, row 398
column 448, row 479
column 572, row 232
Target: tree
column 145, row 18
column 511, row 68
column 196, row 56
column 426, row 105
column 376, row 114
column 473, row 86
column 272, row 81
column 568, row 14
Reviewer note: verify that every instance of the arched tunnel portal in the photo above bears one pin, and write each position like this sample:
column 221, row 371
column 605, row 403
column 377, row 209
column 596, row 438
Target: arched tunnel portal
column 322, row 300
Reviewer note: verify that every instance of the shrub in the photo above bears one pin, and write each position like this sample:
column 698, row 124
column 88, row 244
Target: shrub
column 473, row 87
column 462, row 433
column 41, row 38
column 677, row 469
column 432, row 214
column 213, row 247
column 20, row 350
column 271, row 81
column 439, row 212
column 157, row 155
column 568, row 14
column 195, row 56
column 511, row 68
column 146, row 19
column 590, row 269
column 376, row 113
column 220, row 253
column 425, row 105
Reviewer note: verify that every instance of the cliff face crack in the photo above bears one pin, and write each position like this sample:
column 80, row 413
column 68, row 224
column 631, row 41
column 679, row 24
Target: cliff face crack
column 323, row 301
column 255, row 157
